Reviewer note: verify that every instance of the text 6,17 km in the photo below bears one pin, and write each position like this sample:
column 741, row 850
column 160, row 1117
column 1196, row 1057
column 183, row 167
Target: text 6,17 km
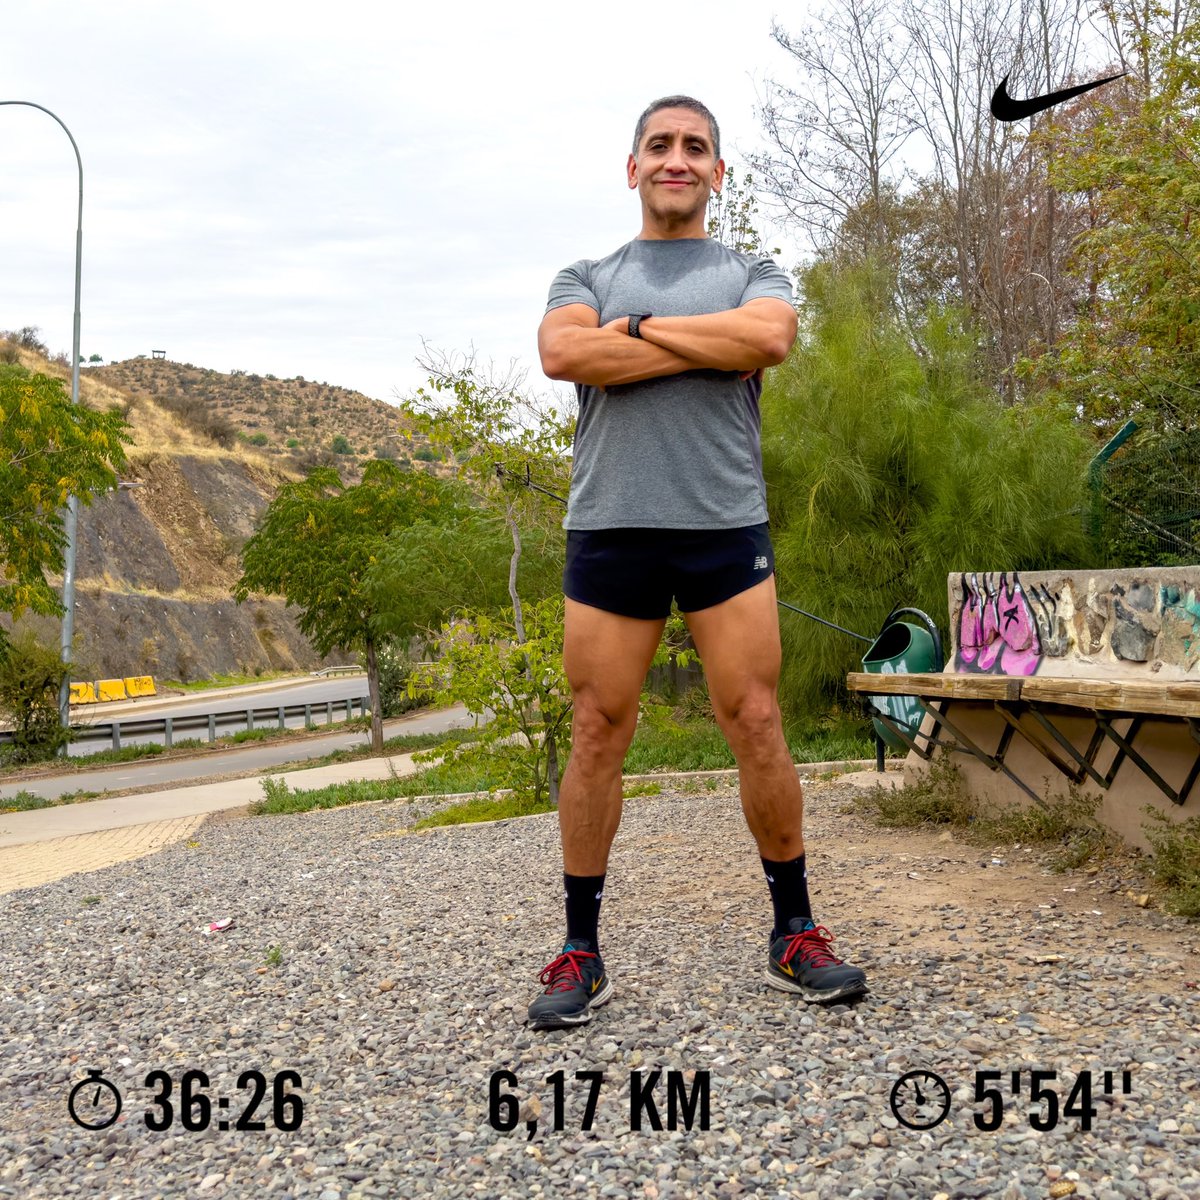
column 682, row 1107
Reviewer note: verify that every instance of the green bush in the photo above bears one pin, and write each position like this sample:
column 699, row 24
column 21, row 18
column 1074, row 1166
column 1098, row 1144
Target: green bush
column 1176, row 863
column 395, row 669
column 31, row 676
column 888, row 466
column 340, row 445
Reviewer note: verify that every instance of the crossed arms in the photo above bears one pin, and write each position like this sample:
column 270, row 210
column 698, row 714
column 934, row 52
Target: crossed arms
column 574, row 345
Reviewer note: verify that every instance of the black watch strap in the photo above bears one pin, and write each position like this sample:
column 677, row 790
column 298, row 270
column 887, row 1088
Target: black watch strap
column 635, row 320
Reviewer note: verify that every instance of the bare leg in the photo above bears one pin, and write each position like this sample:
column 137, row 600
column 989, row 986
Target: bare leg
column 738, row 642
column 605, row 657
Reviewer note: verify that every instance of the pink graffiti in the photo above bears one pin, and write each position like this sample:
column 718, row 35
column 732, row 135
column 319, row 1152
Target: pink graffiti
column 998, row 630
column 1018, row 630
column 990, row 644
column 970, row 622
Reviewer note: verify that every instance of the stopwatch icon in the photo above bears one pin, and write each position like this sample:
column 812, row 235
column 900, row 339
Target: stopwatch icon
column 94, row 1103
column 920, row 1100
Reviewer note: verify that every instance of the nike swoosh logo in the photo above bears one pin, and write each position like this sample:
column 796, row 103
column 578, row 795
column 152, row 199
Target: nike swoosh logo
column 1005, row 108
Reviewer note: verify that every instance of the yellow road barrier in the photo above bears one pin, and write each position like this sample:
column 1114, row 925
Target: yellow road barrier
column 83, row 693
column 140, row 685
column 111, row 689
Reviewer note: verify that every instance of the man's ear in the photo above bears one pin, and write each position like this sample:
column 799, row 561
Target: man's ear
column 631, row 172
column 718, row 177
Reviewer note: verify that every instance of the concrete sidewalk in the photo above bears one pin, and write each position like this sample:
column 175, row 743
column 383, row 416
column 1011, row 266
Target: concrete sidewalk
column 46, row 844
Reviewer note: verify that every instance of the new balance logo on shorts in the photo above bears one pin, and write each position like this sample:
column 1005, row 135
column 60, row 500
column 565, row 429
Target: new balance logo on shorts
column 760, row 563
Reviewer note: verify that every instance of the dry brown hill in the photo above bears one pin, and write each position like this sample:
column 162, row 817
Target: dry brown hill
column 283, row 419
column 157, row 560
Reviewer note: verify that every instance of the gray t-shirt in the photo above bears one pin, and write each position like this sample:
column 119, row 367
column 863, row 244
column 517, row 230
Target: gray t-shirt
column 680, row 451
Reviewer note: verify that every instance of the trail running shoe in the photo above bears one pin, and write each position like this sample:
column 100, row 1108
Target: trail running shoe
column 575, row 984
column 800, row 961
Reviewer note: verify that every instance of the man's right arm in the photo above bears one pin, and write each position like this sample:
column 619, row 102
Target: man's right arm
column 574, row 346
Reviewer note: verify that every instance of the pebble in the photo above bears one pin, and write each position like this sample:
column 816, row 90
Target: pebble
column 407, row 963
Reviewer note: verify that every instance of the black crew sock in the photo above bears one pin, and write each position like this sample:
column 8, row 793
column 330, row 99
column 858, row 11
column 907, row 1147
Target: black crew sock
column 788, row 882
column 583, row 893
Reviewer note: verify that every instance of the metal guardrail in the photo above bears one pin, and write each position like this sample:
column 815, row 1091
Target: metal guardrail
column 353, row 668
column 112, row 731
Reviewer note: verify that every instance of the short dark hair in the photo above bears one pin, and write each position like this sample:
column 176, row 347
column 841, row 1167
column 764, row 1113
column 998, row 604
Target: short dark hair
column 687, row 102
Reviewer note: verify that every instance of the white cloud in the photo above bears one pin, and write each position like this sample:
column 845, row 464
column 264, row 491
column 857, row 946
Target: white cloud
column 304, row 189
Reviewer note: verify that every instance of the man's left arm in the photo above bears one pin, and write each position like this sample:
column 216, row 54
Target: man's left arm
column 758, row 334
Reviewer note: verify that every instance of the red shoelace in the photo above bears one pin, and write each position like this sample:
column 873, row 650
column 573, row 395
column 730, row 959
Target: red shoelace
column 564, row 973
column 812, row 945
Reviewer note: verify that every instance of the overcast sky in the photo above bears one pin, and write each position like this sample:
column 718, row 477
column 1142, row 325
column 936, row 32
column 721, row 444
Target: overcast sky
column 307, row 189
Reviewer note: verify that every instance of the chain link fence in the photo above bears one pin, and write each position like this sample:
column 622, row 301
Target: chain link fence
column 1145, row 509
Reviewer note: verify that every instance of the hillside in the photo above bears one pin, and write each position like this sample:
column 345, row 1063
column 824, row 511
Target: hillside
column 157, row 560
column 297, row 423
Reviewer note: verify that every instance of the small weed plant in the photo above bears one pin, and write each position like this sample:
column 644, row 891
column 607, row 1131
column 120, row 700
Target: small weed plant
column 941, row 797
column 1176, row 862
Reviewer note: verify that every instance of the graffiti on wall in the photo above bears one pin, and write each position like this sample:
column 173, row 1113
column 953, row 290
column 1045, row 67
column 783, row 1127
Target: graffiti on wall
column 1006, row 628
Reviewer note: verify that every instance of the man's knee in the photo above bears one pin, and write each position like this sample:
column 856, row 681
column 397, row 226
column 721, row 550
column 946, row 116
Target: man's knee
column 752, row 726
column 600, row 731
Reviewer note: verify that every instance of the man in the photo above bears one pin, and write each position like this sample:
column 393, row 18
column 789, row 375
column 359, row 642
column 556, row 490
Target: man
column 666, row 340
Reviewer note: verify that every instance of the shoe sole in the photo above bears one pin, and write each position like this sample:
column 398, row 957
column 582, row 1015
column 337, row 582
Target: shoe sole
column 555, row 1021
column 846, row 991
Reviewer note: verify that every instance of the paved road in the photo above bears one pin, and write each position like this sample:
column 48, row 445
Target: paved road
column 245, row 760
column 304, row 690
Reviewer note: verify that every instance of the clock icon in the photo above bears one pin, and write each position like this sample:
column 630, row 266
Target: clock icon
column 94, row 1103
column 920, row 1100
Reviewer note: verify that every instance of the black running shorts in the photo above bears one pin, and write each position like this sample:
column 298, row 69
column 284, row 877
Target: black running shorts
column 636, row 572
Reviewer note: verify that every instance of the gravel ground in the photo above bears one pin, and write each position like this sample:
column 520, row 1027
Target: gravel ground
column 406, row 963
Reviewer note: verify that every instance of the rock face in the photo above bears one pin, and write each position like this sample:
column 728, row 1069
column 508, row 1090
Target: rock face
column 1118, row 624
column 156, row 563
column 155, row 570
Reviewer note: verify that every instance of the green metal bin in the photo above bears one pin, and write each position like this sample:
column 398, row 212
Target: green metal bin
column 900, row 649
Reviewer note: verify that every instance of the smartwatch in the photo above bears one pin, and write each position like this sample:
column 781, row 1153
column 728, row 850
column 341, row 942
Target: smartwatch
column 635, row 319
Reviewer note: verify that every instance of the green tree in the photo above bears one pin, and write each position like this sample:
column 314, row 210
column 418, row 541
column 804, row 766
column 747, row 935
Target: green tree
column 889, row 467
column 50, row 449
column 1135, row 351
column 453, row 561
column 502, row 440
column 315, row 545
column 489, row 666
column 733, row 217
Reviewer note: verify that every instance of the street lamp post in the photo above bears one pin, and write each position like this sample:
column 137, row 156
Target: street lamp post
column 72, row 521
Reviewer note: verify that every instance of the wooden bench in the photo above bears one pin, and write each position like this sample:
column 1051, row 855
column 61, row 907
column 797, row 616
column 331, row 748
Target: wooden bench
column 1030, row 706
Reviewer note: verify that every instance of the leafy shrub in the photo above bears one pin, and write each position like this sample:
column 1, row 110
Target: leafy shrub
column 198, row 414
column 1177, row 861
column 395, row 670
column 31, row 675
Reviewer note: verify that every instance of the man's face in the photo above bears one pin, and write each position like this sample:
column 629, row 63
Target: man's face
column 675, row 168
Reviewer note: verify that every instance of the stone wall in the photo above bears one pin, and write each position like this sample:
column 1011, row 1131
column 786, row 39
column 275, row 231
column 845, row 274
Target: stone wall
column 1127, row 624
